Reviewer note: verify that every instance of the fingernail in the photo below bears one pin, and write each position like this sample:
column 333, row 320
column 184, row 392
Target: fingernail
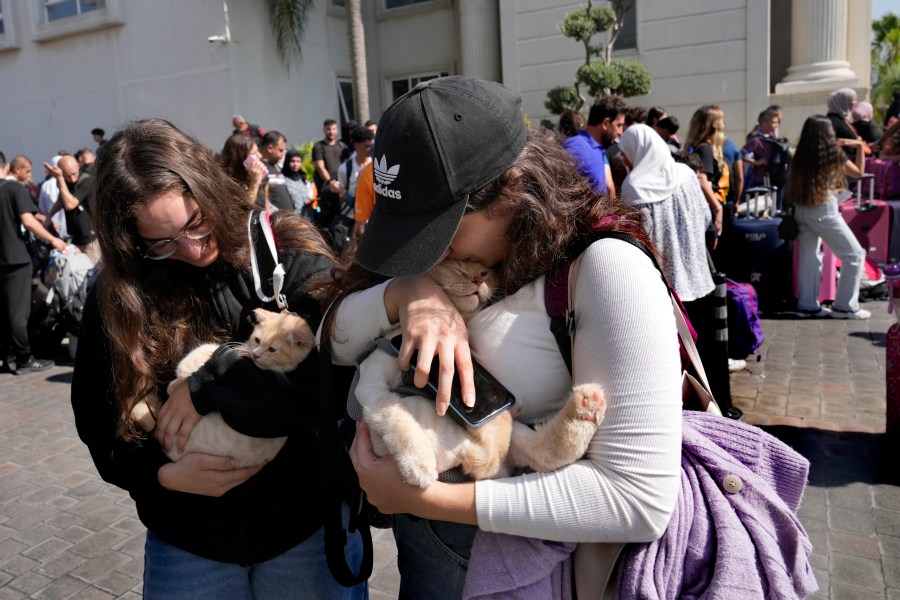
column 469, row 399
column 441, row 409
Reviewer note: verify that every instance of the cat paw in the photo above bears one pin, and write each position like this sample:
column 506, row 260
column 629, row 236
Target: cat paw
column 588, row 403
column 420, row 475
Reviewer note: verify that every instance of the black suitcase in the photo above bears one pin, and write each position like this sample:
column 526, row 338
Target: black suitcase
column 753, row 252
column 894, row 236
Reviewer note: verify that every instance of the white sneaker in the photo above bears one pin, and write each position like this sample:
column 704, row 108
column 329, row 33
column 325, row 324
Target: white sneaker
column 736, row 364
column 846, row 314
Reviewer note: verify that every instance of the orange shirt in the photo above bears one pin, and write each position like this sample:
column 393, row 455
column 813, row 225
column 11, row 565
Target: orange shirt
column 365, row 193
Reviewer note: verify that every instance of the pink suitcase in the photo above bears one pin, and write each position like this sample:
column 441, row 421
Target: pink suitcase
column 870, row 221
column 828, row 287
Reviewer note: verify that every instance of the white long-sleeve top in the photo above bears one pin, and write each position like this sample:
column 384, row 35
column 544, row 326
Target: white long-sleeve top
column 624, row 489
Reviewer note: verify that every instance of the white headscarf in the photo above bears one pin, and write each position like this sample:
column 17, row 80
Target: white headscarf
column 655, row 174
column 840, row 100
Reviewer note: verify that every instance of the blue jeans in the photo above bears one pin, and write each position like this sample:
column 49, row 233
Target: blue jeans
column 825, row 221
column 301, row 572
column 432, row 557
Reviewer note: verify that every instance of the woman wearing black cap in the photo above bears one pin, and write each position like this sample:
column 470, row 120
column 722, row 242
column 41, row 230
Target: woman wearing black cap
column 458, row 175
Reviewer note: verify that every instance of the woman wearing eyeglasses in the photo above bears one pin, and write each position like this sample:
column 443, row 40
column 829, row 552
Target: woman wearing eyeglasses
column 173, row 231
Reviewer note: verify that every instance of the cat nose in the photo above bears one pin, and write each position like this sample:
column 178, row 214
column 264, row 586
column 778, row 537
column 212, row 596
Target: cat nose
column 478, row 280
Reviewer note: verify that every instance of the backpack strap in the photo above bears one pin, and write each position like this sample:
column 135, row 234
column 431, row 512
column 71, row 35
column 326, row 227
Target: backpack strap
column 329, row 451
column 264, row 259
column 557, row 289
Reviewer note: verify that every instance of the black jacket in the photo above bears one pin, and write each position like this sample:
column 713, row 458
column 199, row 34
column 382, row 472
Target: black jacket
column 275, row 509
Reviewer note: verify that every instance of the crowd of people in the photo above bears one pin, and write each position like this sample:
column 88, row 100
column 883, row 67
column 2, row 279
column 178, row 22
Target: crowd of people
column 168, row 219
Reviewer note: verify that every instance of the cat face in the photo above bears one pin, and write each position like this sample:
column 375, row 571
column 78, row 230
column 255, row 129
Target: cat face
column 280, row 341
column 468, row 284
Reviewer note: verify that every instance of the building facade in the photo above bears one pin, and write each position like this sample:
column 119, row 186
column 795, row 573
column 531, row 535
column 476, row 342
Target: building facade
column 68, row 66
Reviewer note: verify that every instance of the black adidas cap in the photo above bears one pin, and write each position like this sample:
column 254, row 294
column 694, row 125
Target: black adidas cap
column 445, row 139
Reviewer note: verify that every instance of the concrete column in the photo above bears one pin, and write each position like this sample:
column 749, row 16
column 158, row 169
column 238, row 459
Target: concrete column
column 479, row 39
column 818, row 48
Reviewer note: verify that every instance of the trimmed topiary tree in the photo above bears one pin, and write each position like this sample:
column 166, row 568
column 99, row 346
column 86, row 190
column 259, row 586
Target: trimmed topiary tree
column 606, row 75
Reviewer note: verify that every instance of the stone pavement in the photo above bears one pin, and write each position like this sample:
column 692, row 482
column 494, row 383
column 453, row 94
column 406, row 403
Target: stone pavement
column 819, row 386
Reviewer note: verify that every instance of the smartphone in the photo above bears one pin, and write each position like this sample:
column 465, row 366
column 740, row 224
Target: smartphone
column 249, row 161
column 491, row 398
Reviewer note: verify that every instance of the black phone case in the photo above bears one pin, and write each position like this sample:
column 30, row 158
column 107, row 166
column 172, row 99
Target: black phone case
column 491, row 398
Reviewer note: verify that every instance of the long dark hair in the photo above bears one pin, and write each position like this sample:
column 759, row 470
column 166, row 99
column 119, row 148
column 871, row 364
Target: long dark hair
column 153, row 310
column 236, row 149
column 552, row 206
column 817, row 165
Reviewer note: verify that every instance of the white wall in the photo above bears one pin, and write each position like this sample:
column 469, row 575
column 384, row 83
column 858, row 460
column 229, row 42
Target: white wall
column 697, row 52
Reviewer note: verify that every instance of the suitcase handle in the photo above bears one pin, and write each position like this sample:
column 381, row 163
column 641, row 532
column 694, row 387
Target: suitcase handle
column 868, row 204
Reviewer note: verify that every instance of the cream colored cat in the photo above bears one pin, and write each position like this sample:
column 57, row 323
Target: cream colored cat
column 425, row 444
column 279, row 342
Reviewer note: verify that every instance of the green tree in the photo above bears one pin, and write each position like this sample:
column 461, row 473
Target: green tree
column 885, row 60
column 288, row 19
column 607, row 75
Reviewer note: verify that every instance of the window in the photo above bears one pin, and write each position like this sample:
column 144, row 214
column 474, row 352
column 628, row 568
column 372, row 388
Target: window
column 2, row 31
column 345, row 101
column 627, row 39
column 389, row 4
column 401, row 86
column 339, row 3
column 62, row 9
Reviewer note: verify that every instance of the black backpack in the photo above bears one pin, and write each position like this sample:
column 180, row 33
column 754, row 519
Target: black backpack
column 335, row 434
column 340, row 230
column 777, row 168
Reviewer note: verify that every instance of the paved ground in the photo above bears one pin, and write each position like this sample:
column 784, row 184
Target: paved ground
column 819, row 386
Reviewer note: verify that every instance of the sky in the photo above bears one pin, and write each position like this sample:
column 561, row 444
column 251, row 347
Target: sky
column 880, row 7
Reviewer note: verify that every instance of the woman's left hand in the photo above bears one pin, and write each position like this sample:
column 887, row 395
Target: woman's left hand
column 380, row 478
column 177, row 417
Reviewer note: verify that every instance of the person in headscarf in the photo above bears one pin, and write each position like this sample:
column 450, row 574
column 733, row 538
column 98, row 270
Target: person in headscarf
column 840, row 107
column 862, row 122
column 677, row 216
column 295, row 181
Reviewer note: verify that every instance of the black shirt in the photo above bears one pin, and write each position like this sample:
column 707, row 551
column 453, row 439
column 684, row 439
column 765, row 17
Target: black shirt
column 843, row 130
column 331, row 154
column 14, row 201
column 272, row 511
column 78, row 221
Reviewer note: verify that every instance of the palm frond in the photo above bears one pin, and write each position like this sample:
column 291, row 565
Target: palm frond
column 288, row 19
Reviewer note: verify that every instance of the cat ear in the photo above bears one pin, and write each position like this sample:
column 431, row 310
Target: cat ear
column 302, row 335
column 261, row 315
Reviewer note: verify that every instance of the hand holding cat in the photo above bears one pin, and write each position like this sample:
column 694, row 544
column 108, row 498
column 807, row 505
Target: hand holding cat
column 431, row 325
column 177, row 417
column 204, row 474
column 385, row 488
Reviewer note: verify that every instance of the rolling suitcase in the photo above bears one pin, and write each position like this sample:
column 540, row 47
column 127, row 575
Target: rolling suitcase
column 755, row 253
column 894, row 232
column 892, row 353
column 869, row 219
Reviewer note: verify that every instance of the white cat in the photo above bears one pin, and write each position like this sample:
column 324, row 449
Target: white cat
column 425, row 444
column 279, row 342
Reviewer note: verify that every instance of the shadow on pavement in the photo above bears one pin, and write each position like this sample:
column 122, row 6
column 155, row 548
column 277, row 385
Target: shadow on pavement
column 878, row 338
column 61, row 377
column 838, row 458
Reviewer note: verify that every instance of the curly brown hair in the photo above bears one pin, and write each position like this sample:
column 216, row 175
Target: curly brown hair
column 818, row 164
column 552, row 206
column 152, row 310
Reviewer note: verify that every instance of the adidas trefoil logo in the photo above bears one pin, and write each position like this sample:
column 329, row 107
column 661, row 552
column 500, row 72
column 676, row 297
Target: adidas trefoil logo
column 385, row 177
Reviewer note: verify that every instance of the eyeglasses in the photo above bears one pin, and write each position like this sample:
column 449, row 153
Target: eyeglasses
column 166, row 248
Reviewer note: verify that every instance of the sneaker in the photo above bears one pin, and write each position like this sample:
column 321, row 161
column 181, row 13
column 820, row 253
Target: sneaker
column 846, row 314
column 33, row 365
column 818, row 313
column 736, row 364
